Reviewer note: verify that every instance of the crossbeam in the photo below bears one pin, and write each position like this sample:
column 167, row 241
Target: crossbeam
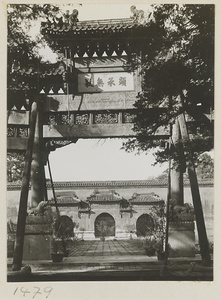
column 75, row 125
column 88, row 131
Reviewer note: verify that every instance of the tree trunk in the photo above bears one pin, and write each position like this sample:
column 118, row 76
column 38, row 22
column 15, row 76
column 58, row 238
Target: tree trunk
column 19, row 242
column 201, row 228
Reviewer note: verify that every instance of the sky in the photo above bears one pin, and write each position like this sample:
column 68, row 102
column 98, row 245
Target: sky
column 102, row 159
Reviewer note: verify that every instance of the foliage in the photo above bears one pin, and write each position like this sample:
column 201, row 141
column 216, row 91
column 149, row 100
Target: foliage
column 149, row 242
column 177, row 67
column 156, row 236
column 145, row 226
column 24, row 59
column 57, row 246
column 163, row 176
column 179, row 213
column 158, row 213
column 63, row 227
column 205, row 167
column 11, row 230
column 15, row 166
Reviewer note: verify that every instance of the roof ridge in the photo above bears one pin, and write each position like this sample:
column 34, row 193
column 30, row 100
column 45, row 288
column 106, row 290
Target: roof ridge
column 106, row 20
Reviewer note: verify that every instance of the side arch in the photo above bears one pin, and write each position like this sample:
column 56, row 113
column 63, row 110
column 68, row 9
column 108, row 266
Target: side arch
column 144, row 225
column 104, row 225
column 64, row 227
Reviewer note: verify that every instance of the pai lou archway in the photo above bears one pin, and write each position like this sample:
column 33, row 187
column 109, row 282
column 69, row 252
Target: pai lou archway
column 104, row 225
column 144, row 225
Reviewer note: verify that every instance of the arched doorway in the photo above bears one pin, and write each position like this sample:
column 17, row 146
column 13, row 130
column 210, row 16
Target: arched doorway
column 104, row 225
column 64, row 227
column 144, row 225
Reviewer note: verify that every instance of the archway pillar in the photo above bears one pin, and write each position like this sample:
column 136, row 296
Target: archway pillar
column 177, row 170
column 37, row 165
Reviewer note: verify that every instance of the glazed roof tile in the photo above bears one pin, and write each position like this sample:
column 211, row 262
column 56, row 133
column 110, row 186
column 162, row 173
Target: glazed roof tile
column 91, row 25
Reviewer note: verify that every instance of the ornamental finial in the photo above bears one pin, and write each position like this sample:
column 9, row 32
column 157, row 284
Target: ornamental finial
column 72, row 18
column 138, row 15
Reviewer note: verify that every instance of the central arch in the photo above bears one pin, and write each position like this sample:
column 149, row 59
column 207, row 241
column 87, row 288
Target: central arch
column 104, row 225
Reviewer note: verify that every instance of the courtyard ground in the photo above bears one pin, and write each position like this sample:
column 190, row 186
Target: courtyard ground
column 112, row 260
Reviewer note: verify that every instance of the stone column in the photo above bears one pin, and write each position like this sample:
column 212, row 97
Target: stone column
column 37, row 166
column 20, row 232
column 176, row 172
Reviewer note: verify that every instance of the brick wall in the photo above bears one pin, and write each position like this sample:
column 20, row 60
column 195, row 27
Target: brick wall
column 126, row 190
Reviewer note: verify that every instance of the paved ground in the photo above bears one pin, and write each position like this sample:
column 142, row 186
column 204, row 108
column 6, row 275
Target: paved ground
column 106, row 248
column 112, row 260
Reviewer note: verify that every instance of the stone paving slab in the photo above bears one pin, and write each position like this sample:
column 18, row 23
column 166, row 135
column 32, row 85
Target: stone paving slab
column 122, row 260
column 106, row 248
column 113, row 273
column 113, row 268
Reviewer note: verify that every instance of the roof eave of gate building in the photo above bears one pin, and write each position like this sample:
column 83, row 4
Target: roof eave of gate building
column 92, row 26
column 100, row 36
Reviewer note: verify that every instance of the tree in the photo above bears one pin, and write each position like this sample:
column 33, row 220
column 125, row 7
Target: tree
column 178, row 76
column 15, row 166
column 177, row 68
column 163, row 176
column 24, row 64
column 205, row 167
column 24, row 60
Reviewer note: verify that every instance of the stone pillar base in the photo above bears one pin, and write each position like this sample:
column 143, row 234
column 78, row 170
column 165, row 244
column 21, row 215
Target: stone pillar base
column 182, row 239
column 37, row 240
column 37, row 247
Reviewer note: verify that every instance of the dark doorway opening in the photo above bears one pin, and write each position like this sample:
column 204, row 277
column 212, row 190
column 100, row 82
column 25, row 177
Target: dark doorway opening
column 104, row 225
column 144, row 225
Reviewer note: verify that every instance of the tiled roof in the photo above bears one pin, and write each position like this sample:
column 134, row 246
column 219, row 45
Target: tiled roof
column 66, row 197
column 105, row 196
column 66, row 194
column 47, row 69
column 97, row 38
column 109, row 184
column 111, row 25
column 144, row 198
column 63, row 201
column 60, row 185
